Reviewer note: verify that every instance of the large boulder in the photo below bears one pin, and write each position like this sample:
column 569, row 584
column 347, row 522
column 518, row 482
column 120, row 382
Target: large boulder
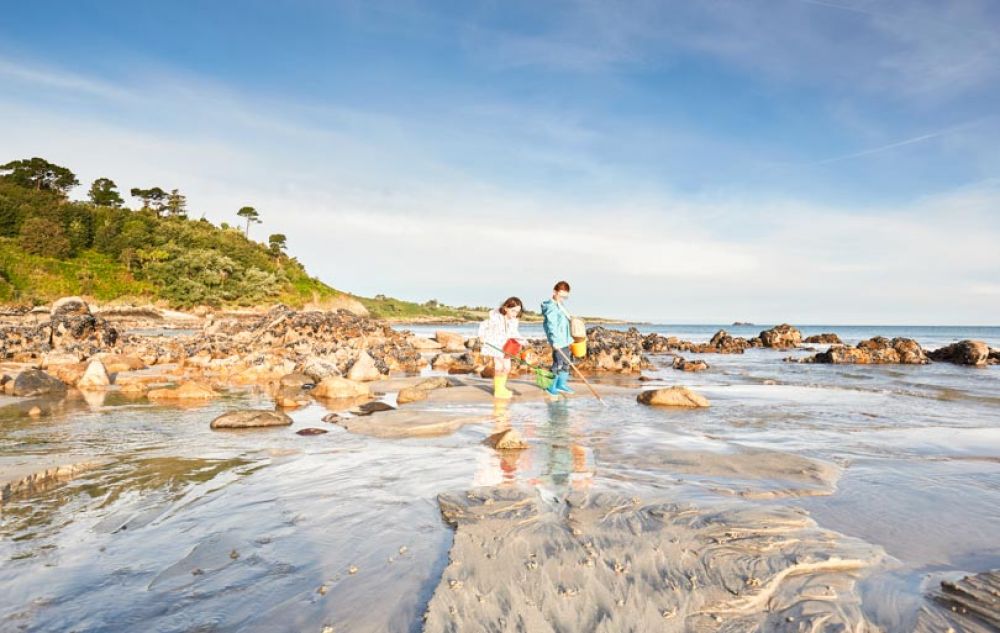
column 963, row 353
column 187, row 391
column 672, row 397
column 250, row 419
column 35, row 382
column 782, row 336
column 451, row 341
column 336, row 387
column 95, row 377
column 364, row 369
column 69, row 307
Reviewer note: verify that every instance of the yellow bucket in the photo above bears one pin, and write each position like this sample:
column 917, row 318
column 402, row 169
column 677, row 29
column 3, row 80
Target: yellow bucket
column 579, row 348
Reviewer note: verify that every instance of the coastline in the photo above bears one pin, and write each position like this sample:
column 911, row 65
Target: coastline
column 540, row 497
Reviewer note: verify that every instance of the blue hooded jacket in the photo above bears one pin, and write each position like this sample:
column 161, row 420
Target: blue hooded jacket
column 556, row 324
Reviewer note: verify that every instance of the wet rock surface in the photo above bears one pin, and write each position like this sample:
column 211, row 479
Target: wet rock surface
column 970, row 605
column 250, row 419
column 874, row 351
column 827, row 338
column 608, row 563
column 35, row 382
column 672, row 397
column 963, row 353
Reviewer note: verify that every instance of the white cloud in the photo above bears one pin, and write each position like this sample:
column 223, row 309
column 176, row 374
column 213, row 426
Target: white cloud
column 369, row 206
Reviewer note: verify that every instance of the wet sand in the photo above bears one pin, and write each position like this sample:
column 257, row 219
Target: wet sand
column 783, row 507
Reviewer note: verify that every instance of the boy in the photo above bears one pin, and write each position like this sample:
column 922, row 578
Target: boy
column 557, row 331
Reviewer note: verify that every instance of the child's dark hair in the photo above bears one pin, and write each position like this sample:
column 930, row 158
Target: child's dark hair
column 562, row 286
column 511, row 302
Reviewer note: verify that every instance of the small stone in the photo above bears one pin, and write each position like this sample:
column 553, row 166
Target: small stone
column 311, row 431
column 353, row 569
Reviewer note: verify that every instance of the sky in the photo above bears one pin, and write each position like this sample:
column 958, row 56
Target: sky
column 809, row 161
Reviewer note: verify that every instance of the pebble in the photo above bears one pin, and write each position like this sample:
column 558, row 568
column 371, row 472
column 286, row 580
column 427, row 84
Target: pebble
column 353, row 569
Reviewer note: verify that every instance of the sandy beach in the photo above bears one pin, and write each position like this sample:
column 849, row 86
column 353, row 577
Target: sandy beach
column 805, row 497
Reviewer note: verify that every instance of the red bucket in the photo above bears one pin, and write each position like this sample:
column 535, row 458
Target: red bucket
column 511, row 347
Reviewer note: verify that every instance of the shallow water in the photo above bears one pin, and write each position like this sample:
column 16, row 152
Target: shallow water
column 188, row 529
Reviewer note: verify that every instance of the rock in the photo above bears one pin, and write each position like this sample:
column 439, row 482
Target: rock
column 369, row 408
column 115, row 363
column 672, row 397
column 874, row 351
column 35, row 382
column 69, row 307
column 35, row 412
column 363, row 369
column 462, row 363
column 291, row 397
column 506, row 440
column 782, row 336
column 424, row 344
column 297, row 381
column 134, row 388
column 311, row 431
column 95, row 377
column 827, row 338
column 971, row 604
column 69, row 374
column 963, row 353
column 331, row 417
column 319, row 368
column 419, row 391
column 250, row 419
column 55, row 359
column 187, row 391
column 411, row 394
column 450, row 341
column 333, row 387
column 689, row 365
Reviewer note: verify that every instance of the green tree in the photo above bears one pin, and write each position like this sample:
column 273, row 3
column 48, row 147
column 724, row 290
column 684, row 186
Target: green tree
column 251, row 215
column 277, row 242
column 104, row 193
column 39, row 174
column 152, row 199
column 41, row 236
column 176, row 205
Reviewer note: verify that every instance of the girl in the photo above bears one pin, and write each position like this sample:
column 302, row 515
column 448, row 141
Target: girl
column 498, row 327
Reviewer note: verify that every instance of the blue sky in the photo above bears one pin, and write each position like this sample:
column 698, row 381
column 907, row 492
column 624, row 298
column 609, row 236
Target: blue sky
column 766, row 160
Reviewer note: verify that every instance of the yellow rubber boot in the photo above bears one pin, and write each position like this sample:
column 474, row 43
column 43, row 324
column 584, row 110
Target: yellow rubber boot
column 500, row 389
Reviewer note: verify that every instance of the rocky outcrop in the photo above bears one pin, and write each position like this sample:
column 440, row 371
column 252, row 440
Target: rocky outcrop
column 782, row 336
column 827, row 338
column 614, row 351
column 963, row 353
column 720, row 343
column 874, row 351
column 70, row 328
column 250, row 419
column 672, row 397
